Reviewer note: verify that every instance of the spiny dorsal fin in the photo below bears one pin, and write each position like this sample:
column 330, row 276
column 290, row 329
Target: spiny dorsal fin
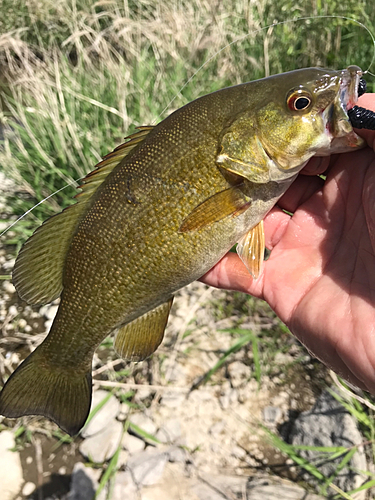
column 38, row 270
column 140, row 338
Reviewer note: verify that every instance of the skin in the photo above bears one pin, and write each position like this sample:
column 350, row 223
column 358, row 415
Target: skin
column 320, row 277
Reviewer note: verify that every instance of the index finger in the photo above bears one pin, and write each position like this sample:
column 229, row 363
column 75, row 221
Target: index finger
column 367, row 101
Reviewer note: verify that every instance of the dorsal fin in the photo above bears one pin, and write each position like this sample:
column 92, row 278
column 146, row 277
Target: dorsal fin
column 38, row 270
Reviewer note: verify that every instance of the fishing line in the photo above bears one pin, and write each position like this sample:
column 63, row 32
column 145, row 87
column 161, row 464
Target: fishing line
column 32, row 208
column 278, row 23
column 239, row 39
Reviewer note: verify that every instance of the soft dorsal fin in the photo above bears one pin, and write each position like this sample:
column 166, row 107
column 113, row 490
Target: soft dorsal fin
column 38, row 270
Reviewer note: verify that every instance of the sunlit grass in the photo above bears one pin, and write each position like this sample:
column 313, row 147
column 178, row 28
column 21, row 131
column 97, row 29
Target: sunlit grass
column 79, row 76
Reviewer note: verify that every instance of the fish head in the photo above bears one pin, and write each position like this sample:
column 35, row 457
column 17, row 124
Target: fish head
column 310, row 118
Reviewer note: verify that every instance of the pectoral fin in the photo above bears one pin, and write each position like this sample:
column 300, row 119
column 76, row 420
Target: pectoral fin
column 251, row 248
column 140, row 338
column 231, row 201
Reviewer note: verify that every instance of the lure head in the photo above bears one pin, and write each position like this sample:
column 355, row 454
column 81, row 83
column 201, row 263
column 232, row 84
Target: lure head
column 307, row 114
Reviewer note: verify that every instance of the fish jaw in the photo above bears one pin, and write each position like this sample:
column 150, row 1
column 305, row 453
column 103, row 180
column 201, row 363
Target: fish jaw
column 342, row 138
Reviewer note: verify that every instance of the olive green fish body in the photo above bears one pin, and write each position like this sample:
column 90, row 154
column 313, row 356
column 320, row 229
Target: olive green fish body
column 157, row 214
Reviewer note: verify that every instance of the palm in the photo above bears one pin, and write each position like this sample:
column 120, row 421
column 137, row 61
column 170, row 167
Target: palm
column 320, row 277
column 326, row 258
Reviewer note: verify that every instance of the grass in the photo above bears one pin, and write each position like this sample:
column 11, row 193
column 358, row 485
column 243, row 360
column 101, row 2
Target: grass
column 341, row 455
column 77, row 76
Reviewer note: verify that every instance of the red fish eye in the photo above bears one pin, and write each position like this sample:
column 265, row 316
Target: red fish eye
column 298, row 102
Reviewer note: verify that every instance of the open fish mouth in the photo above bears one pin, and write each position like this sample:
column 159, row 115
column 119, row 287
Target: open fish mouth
column 351, row 88
column 343, row 115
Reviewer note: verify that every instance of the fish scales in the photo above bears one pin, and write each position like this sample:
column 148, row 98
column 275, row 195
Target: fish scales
column 140, row 238
column 157, row 214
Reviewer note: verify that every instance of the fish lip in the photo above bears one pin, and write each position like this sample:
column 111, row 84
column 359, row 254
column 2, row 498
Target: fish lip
column 338, row 127
column 347, row 97
column 349, row 84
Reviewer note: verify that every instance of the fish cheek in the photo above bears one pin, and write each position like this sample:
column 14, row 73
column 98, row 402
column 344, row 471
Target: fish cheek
column 241, row 153
column 290, row 140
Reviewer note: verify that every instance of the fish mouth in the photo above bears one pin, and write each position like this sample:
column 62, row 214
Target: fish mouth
column 336, row 117
column 349, row 84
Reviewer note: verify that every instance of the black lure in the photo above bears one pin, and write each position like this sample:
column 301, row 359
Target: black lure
column 362, row 117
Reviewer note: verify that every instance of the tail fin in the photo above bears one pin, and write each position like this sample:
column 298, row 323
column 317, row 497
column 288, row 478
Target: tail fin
column 37, row 389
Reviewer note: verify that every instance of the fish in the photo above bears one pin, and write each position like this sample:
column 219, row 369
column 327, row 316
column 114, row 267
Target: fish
column 156, row 214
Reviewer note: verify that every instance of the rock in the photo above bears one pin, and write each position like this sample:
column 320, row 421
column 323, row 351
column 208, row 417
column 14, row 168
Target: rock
column 84, row 484
column 9, row 287
column 238, row 452
column 272, row 415
column 328, row 423
column 123, row 413
column 11, row 478
column 228, row 399
column 28, row 489
column 220, row 487
column 217, row 428
column 13, row 311
column 43, row 311
column 104, row 416
column 178, row 375
column 282, row 358
column 176, row 454
column 103, row 445
column 132, row 443
column 144, row 422
column 8, row 265
column 124, row 487
column 173, row 399
column 239, row 373
column 170, row 432
column 274, row 489
column 51, row 312
column 147, row 466
column 122, row 458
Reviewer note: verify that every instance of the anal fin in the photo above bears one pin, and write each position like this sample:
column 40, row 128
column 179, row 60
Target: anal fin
column 140, row 338
column 251, row 248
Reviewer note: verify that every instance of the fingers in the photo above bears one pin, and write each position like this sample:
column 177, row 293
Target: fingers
column 367, row 101
column 230, row 273
column 299, row 192
column 317, row 165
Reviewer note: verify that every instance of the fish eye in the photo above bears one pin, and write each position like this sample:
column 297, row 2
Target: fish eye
column 299, row 100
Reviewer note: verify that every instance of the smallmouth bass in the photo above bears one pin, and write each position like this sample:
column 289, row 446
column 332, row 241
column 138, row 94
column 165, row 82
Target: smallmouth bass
column 156, row 214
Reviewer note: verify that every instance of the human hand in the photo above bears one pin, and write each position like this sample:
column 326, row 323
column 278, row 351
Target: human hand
column 320, row 277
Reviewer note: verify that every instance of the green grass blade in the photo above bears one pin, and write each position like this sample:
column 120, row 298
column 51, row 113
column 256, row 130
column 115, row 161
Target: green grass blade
column 145, row 435
column 97, row 408
column 244, row 339
column 111, row 470
column 256, row 359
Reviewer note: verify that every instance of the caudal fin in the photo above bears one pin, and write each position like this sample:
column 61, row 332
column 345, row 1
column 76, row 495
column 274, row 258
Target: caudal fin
column 60, row 395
